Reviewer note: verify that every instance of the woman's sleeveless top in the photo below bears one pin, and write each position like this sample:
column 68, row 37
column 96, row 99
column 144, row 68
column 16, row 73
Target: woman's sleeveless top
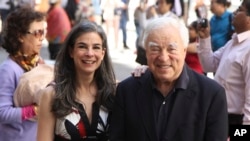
column 76, row 126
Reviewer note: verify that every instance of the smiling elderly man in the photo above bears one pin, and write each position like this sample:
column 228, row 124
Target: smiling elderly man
column 170, row 102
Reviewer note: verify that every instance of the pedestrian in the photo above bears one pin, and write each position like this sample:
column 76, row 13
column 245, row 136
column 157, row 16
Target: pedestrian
column 192, row 59
column 23, row 33
column 170, row 101
column 58, row 27
column 123, row 22
column 231, row 64
column 111, row 16
column 77, row 106
column 221, row 29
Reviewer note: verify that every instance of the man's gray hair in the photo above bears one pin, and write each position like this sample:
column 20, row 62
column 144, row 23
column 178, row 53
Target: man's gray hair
column 160, row 22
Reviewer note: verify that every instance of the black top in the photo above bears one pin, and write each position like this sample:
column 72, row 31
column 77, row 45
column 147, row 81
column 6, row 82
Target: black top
column 162, row 106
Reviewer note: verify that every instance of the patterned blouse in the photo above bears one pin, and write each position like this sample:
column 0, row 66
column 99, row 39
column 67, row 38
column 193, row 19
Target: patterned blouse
column 76, row 126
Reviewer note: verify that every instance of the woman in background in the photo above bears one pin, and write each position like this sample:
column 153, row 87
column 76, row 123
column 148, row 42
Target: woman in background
column 23, row 33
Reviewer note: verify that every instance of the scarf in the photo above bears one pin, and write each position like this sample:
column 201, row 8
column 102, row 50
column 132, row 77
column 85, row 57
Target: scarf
column 25, row 61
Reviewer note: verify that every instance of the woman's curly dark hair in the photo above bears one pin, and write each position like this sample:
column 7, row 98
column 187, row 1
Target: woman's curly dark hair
column 16, row 25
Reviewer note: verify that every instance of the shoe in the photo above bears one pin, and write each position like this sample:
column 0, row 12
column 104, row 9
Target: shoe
column 126, row 47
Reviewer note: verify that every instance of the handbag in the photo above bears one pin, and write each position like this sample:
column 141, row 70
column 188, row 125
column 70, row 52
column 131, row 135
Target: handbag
column 30, row 83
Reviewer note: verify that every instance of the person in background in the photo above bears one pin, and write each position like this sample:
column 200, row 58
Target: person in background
column 77, row 106
column 123, row 22
column 85, row 11
column 111, row 16
column 97, row 11
column 201, row 9
column 140, row 18
column 170, row 101
column 71, row 8
column 192, row 58
column 179, row 8
column 231, row 64
column 221, row 28
column 58, row 27
column 5, row 9
column 23, row 33
column 163, row 8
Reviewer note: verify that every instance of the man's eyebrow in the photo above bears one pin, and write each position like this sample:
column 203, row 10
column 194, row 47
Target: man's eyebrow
column 150, row 44
column 173, row 45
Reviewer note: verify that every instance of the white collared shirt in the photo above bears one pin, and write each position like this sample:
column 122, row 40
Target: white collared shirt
column 232, row 66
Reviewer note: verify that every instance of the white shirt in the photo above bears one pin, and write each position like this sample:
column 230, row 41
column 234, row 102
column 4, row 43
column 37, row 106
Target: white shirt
column 232, row 66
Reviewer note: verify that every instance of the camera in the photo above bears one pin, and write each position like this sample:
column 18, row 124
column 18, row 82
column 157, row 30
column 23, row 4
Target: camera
column 203, row 22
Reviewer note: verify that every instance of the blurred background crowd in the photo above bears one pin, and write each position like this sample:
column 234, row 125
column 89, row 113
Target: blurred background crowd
column 122, row 20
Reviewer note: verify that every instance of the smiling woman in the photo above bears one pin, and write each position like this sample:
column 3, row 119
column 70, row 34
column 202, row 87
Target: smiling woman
column 77, row 106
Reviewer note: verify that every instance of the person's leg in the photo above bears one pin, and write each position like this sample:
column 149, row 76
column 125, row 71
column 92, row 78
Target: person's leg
column 123, row 24
column 53, row 50
column 116, row 29
column 137, row 28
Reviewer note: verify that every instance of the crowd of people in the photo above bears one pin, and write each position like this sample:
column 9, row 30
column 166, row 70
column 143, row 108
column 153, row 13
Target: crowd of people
column 168, row 99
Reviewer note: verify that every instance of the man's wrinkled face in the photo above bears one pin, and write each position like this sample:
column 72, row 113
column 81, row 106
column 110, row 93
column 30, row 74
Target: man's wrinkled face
column 165, row 53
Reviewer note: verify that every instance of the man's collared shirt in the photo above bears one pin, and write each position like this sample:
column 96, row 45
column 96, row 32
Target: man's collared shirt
column 232, row 67
column 162, row 106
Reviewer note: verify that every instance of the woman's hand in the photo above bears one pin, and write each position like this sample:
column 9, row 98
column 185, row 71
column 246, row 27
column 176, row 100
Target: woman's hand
column 139, row 70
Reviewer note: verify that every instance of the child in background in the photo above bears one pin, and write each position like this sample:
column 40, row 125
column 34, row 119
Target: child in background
column 192, row 59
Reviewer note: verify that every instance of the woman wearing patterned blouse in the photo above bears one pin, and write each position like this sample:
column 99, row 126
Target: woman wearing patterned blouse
column 76, row 106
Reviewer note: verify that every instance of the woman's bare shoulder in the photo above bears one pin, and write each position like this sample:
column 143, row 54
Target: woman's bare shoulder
column 47, row 93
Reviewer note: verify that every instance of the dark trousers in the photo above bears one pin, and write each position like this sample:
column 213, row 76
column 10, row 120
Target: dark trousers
column 123, row 26
column 234, row 119
column 53, row 50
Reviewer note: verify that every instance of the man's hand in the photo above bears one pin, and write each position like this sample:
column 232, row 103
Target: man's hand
column 203, row 32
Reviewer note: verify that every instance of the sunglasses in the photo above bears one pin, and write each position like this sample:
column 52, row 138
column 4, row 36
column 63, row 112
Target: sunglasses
column 38, row 33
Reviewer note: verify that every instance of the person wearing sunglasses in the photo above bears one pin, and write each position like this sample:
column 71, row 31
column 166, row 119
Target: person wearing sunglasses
column 23, row 33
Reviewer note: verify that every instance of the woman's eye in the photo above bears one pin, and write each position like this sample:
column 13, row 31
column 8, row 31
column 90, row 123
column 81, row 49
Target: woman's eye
column 82, row 46
column 97, row 48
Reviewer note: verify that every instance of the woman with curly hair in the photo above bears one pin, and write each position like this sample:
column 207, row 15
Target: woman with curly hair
column 22, row 36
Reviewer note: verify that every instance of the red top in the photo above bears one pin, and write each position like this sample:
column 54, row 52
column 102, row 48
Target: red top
column 58, row 25
column 193, row 62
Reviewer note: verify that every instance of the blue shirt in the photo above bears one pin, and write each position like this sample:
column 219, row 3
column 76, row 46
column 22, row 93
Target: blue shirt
column 221, row 28
column 97, row 7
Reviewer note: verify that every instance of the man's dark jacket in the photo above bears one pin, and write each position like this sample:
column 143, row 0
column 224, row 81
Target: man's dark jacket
column 199, row 112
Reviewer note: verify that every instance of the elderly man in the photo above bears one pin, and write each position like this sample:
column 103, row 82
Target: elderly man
column 170, row 101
